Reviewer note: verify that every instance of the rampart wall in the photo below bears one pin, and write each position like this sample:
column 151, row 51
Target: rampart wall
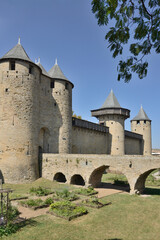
column 133, row 143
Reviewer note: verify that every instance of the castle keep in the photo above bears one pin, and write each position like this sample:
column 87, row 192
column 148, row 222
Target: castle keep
column 36, row 118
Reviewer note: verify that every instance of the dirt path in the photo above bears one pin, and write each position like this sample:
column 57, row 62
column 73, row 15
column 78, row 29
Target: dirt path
column 102, row 192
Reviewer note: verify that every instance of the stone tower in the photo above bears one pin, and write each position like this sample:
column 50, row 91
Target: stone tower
column 19, row 115
column 62, row 93
column 112, row 115
column 142, row 124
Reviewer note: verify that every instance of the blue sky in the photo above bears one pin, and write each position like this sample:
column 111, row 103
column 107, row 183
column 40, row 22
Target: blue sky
column 68, row 30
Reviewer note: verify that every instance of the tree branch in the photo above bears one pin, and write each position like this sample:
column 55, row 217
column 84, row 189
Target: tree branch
column 142, row 1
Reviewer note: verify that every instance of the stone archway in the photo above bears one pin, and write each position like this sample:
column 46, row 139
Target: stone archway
column 140, row 183
column 77, row 180
column 96, row 175
column 60, row 177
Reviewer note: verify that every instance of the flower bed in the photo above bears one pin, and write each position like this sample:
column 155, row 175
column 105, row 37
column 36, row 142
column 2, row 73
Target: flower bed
column 65, row 195
column 17, row 197
column 94, row 203
column 86, row 191
column 36, row 203
column 40, row 191
column 67, row 210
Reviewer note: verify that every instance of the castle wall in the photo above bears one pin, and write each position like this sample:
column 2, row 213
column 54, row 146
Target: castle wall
column 89, row 141
column 133, row 143
column 19, row 111
column 133, row 146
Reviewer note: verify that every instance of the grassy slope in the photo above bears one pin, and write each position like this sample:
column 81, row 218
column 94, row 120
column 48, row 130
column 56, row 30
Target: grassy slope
column 23, row 189
column 127, row 218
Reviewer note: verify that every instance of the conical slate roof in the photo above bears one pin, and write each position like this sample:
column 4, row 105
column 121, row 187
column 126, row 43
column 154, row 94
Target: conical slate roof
column 56, row 72
column 17, row 52
column 111, row 101
column 141, row 115
column 43, row 69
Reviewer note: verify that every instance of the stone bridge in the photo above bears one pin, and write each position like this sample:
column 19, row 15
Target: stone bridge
column 87, row 169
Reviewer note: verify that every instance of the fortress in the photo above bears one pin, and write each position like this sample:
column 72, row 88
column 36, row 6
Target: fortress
column 36, row 123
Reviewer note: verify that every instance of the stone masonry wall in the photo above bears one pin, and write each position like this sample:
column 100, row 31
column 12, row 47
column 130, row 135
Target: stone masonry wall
column 144, row 128
column 116, row 130
column 19, row 111
column 133, row 146
column 89, row 141
column 62, row 93
column 91, row 167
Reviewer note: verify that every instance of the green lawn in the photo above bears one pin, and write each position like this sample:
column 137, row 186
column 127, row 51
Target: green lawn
column 129, row 217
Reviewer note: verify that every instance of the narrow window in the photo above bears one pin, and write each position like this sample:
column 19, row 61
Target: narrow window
column 30, row 69
column 12, row 65
column 52, row 84
column 66, row 85
column 138, row 122
column 144, row 121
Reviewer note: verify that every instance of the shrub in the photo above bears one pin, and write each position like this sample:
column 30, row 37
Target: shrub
column 86, row 191
column 12, row 212
column 67, row 209
column 9, row 229
column 49, row 201
column 35, row 203
column 66, row 195
column 40, row 191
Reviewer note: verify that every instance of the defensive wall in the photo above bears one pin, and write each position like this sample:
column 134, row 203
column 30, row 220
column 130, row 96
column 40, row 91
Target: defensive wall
column 87, row 169
column 92, row 138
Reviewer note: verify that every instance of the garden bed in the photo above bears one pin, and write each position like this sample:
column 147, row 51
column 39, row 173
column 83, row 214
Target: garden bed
column 86, row 191
column 66, row 210
column 40, row 191
column 94, row 203
column 18, row 198
column 65, row 195
column 36, row 203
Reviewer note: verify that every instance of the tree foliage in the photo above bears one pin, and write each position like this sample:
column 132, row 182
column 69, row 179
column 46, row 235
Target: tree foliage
column 135, row 21
column 75, row 115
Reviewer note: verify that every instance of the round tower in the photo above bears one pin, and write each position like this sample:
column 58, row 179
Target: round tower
column 142, row 124
column 62, row 93
column 113, row 116
column 19, row 111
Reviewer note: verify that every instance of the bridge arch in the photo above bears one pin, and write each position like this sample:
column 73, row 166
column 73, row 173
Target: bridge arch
column 140, row 183
column 77, row 179
column 96, row 175
column 59, row 177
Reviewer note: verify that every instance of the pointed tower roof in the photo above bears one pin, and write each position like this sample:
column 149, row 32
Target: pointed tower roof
column 56, row 72
column 110, row 107
column 111, row 101
column 141, row 115
column 44, row 72
column 17, row 52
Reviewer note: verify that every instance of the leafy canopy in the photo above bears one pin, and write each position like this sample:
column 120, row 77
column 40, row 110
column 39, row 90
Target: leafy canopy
column 134, row 20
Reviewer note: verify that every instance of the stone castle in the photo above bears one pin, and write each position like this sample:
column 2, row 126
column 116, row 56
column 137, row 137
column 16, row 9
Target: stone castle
column 36, row 118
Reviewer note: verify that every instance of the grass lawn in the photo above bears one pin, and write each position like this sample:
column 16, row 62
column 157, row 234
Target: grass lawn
column 24, row 189
column 129, row 217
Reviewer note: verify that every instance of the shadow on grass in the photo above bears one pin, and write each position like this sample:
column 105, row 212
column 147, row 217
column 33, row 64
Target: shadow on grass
column 24, row 222
column 114, row 239
column 122, row 187
column 152, row 191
